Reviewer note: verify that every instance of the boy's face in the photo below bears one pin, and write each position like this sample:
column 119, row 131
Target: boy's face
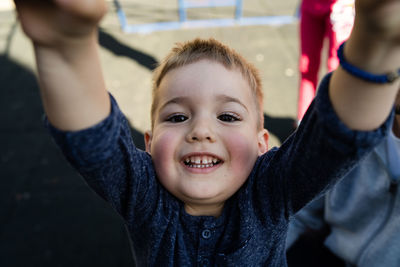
column 205, row 139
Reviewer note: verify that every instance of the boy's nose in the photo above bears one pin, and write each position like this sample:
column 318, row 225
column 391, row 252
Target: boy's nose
column 201, row 132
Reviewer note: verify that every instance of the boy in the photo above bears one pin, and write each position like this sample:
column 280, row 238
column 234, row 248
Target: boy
column 210, row 193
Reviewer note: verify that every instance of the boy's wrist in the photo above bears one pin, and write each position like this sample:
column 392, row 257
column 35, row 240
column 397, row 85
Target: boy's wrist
column 68, row 48
column 365, row 75
column 367, row 51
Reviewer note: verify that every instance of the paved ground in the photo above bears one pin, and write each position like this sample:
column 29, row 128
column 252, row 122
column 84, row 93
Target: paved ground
column 48, row 216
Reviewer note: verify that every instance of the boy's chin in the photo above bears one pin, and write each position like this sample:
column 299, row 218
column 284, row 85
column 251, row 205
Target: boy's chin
column 204, row 209
column 205, row 194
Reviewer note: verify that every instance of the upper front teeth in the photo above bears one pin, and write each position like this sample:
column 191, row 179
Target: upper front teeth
column 201, row 160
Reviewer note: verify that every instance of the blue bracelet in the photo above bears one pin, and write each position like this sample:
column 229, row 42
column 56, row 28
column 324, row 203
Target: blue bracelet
column 363, row 75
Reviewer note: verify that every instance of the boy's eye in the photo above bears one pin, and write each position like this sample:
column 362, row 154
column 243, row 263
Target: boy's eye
column 229, row 117
column 176, row 118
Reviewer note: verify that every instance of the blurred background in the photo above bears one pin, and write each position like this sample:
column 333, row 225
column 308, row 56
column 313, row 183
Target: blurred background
column 48, row 216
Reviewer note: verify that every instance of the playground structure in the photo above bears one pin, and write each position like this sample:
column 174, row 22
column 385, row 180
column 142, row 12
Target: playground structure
column 237, row 20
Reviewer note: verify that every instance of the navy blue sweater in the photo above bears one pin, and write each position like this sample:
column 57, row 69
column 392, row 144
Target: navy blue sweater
column 252, row 228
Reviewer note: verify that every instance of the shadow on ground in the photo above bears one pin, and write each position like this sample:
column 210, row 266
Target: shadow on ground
column 48, row 216
column 109, row 42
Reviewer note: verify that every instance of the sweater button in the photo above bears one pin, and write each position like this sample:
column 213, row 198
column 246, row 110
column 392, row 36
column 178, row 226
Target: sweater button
column 205, row 263
column 206, row 234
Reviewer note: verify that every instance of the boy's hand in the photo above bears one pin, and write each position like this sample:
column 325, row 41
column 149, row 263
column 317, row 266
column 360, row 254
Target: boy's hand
column 53, row 23
column 380, row 18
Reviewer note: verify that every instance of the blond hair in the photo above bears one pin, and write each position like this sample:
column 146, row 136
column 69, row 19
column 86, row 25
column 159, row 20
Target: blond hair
column 186, row 53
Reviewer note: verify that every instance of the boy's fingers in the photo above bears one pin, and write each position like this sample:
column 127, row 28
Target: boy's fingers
column 377, row 6
column 86, row 9
column 380, row 17
column 51, row 22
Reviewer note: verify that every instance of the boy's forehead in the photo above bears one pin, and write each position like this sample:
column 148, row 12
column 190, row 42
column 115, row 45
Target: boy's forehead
column 204, row 78
column 202, row 72
column 201, row 65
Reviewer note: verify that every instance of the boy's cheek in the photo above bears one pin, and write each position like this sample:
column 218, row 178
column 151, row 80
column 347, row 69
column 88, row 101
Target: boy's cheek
column 163, row 147
column 243, row 152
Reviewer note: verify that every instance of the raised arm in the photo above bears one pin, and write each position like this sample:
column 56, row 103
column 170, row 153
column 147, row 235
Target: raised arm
column 64, row 36
column 374, row 47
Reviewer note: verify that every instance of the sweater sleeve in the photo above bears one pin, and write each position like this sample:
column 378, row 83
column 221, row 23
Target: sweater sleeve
column 108, row 160
column 311, row 217
column 313, row 158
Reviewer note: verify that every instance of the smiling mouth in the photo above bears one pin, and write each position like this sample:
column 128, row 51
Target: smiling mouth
column 201, row 162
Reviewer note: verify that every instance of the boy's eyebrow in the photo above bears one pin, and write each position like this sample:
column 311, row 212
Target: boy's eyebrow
column 175, row 100
column 226, row 99
column 221, row 98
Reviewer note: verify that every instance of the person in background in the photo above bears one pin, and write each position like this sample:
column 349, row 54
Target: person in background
column 320, row 20
column 361, row 214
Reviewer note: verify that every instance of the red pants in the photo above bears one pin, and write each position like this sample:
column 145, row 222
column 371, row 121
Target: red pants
column 314, row 28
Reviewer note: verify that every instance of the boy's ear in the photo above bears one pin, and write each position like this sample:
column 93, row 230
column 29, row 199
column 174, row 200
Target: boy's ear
column 263, row 137
column 147, row 140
